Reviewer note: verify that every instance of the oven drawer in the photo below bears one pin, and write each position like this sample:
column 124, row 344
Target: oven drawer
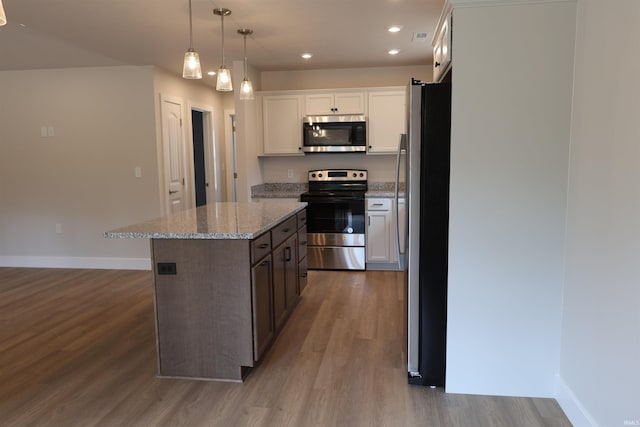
column 335, row 258
column 281, row 232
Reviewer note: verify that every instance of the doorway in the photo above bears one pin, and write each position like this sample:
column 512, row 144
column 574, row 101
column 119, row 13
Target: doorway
column 199, row 164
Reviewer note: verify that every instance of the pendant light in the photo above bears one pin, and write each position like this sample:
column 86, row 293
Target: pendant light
column 223, row 83
column 3, row 17
column 191, row 68
column 246, row 88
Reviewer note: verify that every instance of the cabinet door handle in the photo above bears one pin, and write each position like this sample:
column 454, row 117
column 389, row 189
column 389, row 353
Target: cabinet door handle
column 437, row 64
column 377, row 204
column 303, row 242
column 264, row 263
column 263, row 246
column 303, row 275
column 286, row 230
column 287, row 253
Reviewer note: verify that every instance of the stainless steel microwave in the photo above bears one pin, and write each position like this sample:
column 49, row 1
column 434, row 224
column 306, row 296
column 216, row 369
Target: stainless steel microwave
column 334, row 134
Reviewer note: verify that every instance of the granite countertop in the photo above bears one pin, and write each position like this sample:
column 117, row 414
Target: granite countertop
column 384, row 190
column 242, row 220
column 284, row 190
column 279, row 190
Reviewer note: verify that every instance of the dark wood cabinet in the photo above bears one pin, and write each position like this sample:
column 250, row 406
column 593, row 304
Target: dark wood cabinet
column 285, row 279
column 279, row 287
column 291, row 271
column 302, row 251
column 262, row 301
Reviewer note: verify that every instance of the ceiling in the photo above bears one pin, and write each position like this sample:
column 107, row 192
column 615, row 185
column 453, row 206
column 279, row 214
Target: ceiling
column 340, row 33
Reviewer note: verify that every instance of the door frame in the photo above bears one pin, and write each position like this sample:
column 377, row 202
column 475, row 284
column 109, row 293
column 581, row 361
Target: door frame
column 186, row 168
column 231, row 153
column 211, row 153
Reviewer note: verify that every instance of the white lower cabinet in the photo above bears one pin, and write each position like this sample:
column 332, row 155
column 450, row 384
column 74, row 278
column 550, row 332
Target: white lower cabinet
column 381, row 235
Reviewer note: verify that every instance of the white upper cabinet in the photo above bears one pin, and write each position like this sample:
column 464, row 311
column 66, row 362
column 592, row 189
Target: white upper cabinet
column 323, row 103
column 442, row 49
column 282, row 124
column 387, row 120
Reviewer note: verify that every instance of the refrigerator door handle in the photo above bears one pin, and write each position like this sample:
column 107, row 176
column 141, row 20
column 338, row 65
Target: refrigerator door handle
column 401, row 146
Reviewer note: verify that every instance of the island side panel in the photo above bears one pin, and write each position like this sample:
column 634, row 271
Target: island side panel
column 203, row 312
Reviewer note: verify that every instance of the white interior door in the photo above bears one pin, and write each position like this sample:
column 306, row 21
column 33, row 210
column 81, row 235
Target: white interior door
column 173, row 147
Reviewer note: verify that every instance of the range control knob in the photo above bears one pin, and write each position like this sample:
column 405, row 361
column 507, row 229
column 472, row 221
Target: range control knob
column 313, row 175
column 319, row 175
column 361, row 174
column 355, row 174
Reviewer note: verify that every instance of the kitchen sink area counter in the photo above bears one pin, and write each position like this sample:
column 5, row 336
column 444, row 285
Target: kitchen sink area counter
column 227, row 276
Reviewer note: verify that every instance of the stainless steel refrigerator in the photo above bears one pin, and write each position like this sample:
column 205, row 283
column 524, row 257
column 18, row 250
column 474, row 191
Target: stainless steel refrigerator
column 423, row 170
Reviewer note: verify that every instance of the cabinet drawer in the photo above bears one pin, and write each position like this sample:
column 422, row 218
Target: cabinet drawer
column 302, row 218
column 378, row 204
column 260, row 247
column 281, row 232
column 302, row 243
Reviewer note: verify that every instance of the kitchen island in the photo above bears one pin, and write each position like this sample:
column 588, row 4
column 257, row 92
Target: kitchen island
column 226, row 278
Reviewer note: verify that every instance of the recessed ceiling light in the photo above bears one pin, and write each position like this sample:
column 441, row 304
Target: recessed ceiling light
column 211, row 73
column 394, row 28
column 306, row 55
column 393, row 51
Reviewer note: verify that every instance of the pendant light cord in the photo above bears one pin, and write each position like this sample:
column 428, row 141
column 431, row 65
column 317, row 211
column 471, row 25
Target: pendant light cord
column 222, row 25
column 245, row 56
column 190, row 28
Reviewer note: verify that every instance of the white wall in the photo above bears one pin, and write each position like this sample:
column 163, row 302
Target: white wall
column 601, row 312
column 198, row 94
column 512, row 74
column 345, row 77
column 381, row 167
column 249, row 169
column 82, row 177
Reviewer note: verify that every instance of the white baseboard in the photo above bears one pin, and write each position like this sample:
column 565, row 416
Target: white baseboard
column 571, row 406
column 76, row 262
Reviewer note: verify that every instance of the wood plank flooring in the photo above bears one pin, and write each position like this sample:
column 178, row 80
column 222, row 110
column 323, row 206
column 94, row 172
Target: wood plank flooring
column 77, row 348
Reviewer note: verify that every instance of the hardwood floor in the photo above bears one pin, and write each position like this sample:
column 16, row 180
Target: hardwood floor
column 77, row 348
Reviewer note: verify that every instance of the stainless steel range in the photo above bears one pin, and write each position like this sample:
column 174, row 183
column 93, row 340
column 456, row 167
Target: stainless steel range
column 336, row 219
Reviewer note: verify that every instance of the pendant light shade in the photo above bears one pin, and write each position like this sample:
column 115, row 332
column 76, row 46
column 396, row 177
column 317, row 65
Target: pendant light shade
column 223, row 84
column 3, row 17
column 191, row 68
column 246, row 88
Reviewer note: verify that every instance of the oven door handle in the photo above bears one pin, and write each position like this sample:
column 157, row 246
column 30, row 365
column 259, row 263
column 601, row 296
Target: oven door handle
column 329, row 199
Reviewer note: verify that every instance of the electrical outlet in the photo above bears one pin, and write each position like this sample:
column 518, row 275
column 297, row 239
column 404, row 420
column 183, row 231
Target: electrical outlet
column 167, row 268
column 58, row 228
column 138, row 172
column 51, row 131
column 43, row 131
column 289, row 173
